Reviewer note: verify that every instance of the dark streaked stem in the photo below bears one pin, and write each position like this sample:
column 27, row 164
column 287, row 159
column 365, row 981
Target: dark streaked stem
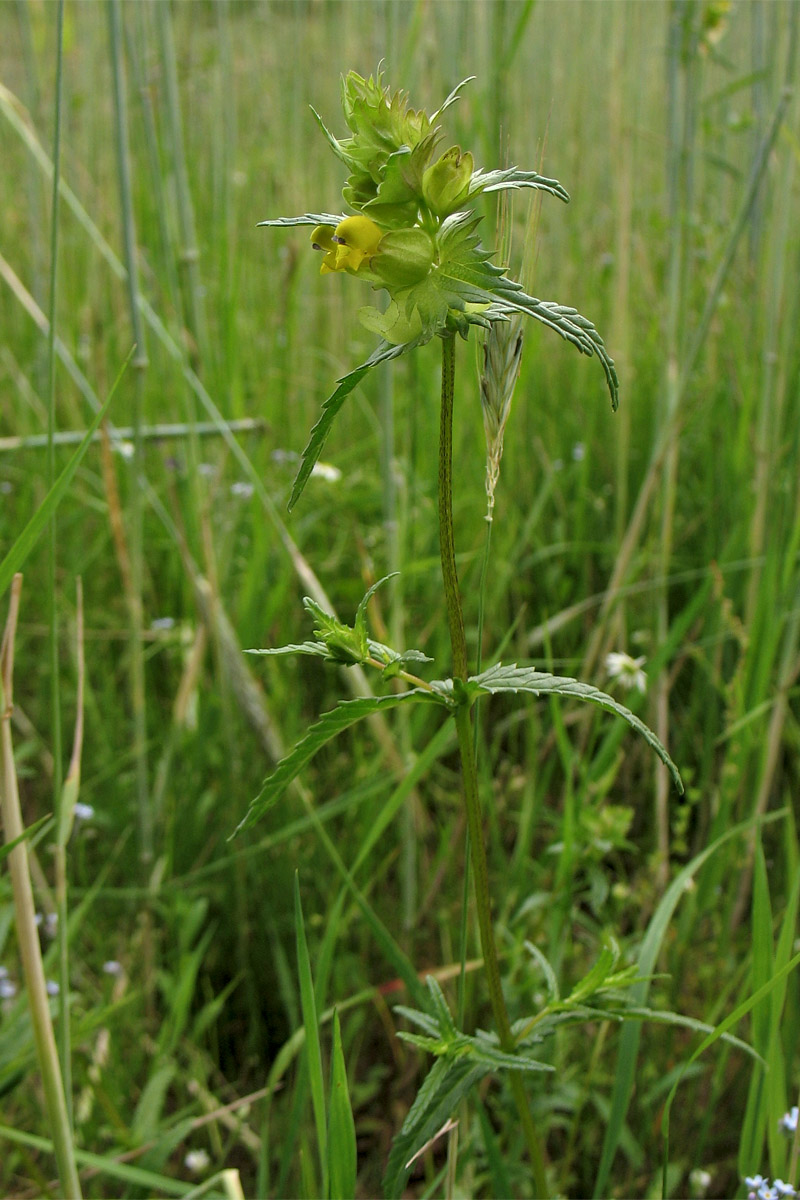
column 458, row 641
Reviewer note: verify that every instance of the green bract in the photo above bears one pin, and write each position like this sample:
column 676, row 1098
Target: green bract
column 414, row 235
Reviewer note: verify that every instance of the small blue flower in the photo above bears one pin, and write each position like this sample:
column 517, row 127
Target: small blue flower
column 781, row 1188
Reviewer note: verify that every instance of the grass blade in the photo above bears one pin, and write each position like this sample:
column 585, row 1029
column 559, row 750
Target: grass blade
column 311, row 1025
column 342, row 1156
column 33, row 530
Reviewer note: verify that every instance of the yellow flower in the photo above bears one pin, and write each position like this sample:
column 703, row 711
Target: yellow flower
column 351, row 243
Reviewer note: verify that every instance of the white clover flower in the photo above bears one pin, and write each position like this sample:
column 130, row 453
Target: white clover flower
column 197, row 1161
column 240, row 488
column 322, row 470
column 627, row 670
column 700, row 1181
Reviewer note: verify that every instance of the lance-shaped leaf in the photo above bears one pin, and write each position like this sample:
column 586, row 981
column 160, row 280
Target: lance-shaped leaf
column 330, row 410
column 306, row 219
column 327, row 727
column 445, row 1086
column 314, row 649
column 496, row 181
column 466, row 275
column 540, row 683
column 569, row 323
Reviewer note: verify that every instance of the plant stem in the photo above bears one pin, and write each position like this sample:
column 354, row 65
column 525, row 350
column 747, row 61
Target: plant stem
column 458, row 641
column 27, row 933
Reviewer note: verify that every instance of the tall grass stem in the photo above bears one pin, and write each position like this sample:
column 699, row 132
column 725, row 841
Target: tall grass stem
column 25, row 914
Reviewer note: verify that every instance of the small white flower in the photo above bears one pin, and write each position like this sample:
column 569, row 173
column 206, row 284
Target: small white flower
column 240, row 488
column 207, row 470
column 196, row 1161
column 52, row 987
column 83, row 812
column 788, row 1122
column 112, row 967
column 783, row 1189
column 700, row 1181
column 325, row 471
column 627, row 670
column 124, row 449
column 161, row 624
column 8, row 989
column 578, row 452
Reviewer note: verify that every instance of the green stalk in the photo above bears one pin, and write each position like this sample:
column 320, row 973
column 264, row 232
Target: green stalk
column 25, row 916
column 55, row 701
column 458, row 642
column 137, row 500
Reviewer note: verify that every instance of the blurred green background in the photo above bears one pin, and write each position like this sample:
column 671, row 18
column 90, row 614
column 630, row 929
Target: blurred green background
column 670, row 530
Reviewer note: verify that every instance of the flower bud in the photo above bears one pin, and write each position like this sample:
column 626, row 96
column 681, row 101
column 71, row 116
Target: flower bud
column 404, row 257
column 445, row 185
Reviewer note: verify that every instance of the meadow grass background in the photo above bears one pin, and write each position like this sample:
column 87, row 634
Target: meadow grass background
column 652, row 115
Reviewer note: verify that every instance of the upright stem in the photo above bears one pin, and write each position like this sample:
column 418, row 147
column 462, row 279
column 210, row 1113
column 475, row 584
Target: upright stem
column 27, row 933
column 458, row 641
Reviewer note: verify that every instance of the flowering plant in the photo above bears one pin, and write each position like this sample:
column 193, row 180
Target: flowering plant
column 413, row 234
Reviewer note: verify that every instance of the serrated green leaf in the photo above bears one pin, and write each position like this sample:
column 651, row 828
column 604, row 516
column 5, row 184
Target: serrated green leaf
column 342, row 1155
column 305, row 219
column 416, row 1017
column 343, row 643
column 512, row 177
column 597, row 975
column 569, row 324
column 432, row 1045
column 441, row 1011
column 316, row 649
column 328, row 726
column 360, row 624
column 482, row 1050
column 451, row 99
column 330, row 410
column 549, row 974
column 445, row 1086
column 539, row 683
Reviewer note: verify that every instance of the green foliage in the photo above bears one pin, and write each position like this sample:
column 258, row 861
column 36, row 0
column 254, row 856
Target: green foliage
column 670, row 533
column 539, row 683
column 342, row 1155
